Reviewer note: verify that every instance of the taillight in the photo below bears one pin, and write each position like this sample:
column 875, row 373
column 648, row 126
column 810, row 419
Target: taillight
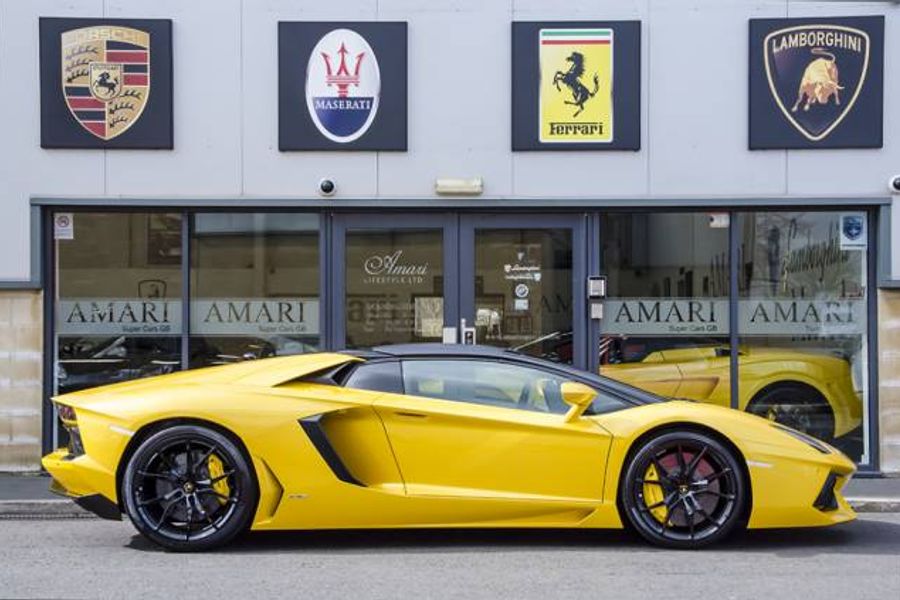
column 69, row 421
column 66, row 413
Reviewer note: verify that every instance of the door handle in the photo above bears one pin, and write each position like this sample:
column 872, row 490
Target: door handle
column 403, row 413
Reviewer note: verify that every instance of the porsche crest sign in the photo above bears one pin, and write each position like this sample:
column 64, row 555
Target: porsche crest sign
column 96, row 80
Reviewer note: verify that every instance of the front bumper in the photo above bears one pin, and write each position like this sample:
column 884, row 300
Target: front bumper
column 788, row 492
column 82, row 480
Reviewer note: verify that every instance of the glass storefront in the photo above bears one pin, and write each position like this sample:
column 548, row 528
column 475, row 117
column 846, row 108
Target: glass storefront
column 782, row 332
column 254, row 286
column 802, row 314
column 802, row 322
column 118, row 299
column 665, row 326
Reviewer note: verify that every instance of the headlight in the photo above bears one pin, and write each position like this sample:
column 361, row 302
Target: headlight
column 803, row 437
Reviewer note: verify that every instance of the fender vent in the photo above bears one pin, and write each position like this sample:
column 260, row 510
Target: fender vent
column 316, row 433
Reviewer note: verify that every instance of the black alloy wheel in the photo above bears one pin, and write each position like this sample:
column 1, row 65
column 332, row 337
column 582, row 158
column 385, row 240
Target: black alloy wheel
column 683, row 489
column 189, row 488
column 797, row 406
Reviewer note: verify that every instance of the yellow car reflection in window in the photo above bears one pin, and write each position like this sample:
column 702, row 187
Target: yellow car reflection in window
column 809, row 391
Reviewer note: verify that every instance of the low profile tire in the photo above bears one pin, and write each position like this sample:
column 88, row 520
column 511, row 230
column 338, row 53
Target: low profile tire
column 683, row 489
column 798, row 406
column 189, row 488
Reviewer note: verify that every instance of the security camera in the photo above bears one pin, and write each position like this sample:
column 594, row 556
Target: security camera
column 327, row 187
column 894, row 184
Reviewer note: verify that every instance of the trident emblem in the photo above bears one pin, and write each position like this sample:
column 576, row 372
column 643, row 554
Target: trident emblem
column 343, row 79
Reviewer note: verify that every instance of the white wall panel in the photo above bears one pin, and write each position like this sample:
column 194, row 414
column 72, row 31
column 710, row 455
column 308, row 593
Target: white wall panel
column 459, row 80
column 26, row 169
column 206, row 49
column 698, row 101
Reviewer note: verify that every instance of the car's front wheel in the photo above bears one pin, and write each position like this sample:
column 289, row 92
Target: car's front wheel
column 189, row 488
column 683, row 489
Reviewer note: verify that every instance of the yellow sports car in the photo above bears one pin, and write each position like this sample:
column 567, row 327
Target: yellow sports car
column 431, row 436
column 808, row 391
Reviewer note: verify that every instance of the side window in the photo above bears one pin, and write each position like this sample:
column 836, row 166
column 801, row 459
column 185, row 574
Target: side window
column 377, row 377
column 483, row 382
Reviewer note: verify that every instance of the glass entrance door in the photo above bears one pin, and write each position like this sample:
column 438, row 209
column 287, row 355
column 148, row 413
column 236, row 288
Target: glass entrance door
column 394, row 278
column 522, row 280
column 516, row 281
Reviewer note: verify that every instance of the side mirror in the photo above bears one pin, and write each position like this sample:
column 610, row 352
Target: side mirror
column 578, row 396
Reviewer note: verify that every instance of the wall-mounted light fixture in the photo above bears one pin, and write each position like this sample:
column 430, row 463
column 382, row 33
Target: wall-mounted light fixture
column 459, row 187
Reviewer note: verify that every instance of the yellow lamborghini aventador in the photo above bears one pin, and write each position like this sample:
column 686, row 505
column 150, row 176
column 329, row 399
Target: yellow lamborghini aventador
column 431, row 436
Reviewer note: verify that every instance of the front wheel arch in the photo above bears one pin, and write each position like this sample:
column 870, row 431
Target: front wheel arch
column 684, row 426
column 150, row 428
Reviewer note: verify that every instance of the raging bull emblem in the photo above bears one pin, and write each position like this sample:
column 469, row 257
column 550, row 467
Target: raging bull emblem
column 807, row 84
column 106, row 77
column 820, row 82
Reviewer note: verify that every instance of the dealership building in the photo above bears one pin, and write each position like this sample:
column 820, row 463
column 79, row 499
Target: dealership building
column 693, row 197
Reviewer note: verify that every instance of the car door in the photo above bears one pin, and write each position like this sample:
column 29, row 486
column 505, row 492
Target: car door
column 480, row 428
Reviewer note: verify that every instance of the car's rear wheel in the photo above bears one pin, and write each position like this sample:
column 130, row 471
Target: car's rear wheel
column 683, row 489
column 795, row 405
column 189, row 488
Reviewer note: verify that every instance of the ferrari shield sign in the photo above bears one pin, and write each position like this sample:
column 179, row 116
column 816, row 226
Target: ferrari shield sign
column 106, row 77
column 576, row 85
column 576, row 68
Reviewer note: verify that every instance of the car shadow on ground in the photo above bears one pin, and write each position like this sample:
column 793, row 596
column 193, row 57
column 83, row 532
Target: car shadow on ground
column 860, row 537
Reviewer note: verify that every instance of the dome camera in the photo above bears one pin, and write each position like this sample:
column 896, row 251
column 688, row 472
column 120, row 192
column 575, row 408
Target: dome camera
column 327, row 187
column 894, row 184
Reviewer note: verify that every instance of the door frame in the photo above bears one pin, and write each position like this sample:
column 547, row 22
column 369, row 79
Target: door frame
column 342, row 222
column 576, row 222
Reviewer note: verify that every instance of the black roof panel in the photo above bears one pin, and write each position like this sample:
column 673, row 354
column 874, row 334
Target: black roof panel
column 435, row 349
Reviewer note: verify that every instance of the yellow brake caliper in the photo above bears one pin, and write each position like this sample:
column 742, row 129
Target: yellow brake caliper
column 217, row 469
column 653, row 494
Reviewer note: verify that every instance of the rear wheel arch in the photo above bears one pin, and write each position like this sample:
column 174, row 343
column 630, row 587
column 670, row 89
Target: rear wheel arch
column 149, row 429
column 658, row 430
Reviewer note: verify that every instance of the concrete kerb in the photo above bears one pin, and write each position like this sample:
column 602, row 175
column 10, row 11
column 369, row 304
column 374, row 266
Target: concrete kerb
column 66, row 509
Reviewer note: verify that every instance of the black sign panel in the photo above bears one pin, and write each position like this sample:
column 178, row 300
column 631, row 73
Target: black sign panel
column 576, row 85
column 816, row 82
column 342, row 86
column 106, row 83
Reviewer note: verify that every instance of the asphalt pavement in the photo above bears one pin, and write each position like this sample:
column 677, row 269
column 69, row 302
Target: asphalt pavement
column 90, row 558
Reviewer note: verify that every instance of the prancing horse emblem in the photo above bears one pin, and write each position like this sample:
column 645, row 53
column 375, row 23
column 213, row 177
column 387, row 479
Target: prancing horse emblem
column 572, row 80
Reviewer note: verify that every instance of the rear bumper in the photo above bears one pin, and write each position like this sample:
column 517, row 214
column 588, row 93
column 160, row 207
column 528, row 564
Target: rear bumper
column 78, row 478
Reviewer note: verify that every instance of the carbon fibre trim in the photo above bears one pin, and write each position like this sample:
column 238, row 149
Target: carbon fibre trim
column 313, row 428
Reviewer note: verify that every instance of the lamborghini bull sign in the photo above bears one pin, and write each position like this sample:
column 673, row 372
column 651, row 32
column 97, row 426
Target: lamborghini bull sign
column 816, row 83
